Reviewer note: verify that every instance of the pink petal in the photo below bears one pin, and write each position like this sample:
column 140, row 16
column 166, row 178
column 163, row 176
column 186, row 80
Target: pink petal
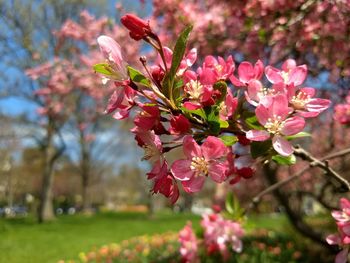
column 293, row 125
column 342, row 256
column 191, row 57
column 273, row 75
column 257, row 135
column 208, row 77
column 298, row 75
column 309, row 91
column 318, row 105
column 193, row 185
column 339, row 216
column 262, row 114
column 282, row 146
column 181, row 170
column 111, row 50
column 236, row 82
column 217, row 171
column 258, row 69
column 254, row 87
column 213, row 148
column 333, row 239
column 344, row 203
column 245, row 71
column 191, row 148
column 279, row 106
column 192, row 106
column 288, row 65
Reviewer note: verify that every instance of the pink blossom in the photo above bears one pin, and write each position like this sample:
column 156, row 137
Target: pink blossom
column 343, row 238
column 219, row 234
column 179, row 125
column 149, row 118
column 197, row 93
column 151, row 145
column 112, row 52
column 247, row 72
column 304, row 103
column 202, row 161
column 164, row 183
column 138, row 27
column 290, row 73
column 228, row 106
column 121, row 101
column 277, row 123
column 188, row 244
column 218, row 68
column 342, row 113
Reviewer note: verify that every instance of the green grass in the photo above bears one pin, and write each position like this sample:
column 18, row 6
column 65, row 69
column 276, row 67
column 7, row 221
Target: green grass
column 25, row 241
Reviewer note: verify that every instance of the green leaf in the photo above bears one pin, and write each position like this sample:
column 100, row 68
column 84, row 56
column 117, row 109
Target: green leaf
column 176, row 90
column 137, row 77
column 179, row 50
column 258, row 149
column 233, row 207
column 298, row 135
column 228, row 140
column 212, row 117
column 178, row 54
column 223, row 124
column 221, row 86
column 198, row 112
column 253, row 123
column 104, row 69
column 284, row 160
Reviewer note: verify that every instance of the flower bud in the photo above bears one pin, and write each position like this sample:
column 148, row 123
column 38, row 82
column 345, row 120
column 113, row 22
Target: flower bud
column 138, row 27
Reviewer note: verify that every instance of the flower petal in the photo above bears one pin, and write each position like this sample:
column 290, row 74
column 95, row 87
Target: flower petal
column 257, row 135
column 181, row 169
column 297, row 75
column 193, row 185
column 282, row 146
column 293, row 125
column 217, row 171
column 191, row 148
column 273, row 75
column 213, row 148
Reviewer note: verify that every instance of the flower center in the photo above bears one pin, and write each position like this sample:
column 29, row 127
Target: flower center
column 219, row 68
column 274, row 125
column 151, row 151
column 194, row 89
column 285, row 76
column 199, row 165
column 300, row 100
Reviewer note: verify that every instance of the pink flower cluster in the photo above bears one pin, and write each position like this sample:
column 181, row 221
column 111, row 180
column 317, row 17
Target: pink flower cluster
column 342, row 111
column 220, row 236
column 284, row 26
column 343, row 238
column 179, row 105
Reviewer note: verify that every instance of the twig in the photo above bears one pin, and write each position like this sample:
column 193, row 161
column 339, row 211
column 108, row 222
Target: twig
column 277, row 185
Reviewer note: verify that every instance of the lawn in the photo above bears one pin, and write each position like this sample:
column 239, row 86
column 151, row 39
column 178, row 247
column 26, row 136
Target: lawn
column 23, row 240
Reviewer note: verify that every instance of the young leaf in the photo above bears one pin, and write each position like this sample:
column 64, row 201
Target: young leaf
column 284, row 160
column 298, row 135
column 198, row 112
column 137, row 77
column 253, row 123
column 228, row 140
column 179, row 52
column 221, row 86
column 104, row 69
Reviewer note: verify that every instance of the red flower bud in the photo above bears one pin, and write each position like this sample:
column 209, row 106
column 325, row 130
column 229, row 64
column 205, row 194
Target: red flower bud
column 138, row 28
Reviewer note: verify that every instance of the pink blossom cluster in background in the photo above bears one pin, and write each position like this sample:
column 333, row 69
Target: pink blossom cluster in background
column 342, row 239
column 219, row 236
column 308, row 29
column 177, row 104
column 342, row 111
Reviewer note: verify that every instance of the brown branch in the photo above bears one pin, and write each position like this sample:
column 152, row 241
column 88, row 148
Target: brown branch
column 279, row 184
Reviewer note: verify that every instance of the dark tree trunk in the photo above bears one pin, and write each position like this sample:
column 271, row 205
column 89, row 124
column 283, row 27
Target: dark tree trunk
column 295, row 218
column 50, row 155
